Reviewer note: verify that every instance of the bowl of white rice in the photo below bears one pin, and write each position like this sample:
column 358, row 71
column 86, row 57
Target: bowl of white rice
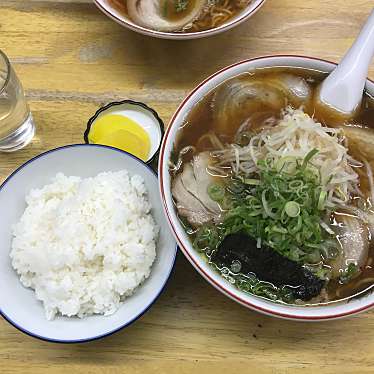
column 84, row 246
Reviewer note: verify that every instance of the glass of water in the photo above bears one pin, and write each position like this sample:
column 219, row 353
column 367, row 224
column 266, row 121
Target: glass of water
column 16, row 123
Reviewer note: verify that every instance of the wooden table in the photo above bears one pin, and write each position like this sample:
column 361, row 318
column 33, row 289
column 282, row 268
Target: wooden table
column 71, row 59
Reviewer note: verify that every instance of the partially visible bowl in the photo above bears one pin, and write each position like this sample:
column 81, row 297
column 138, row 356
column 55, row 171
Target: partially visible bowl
column 334, row 310
column 108, row 8
column 18, row 305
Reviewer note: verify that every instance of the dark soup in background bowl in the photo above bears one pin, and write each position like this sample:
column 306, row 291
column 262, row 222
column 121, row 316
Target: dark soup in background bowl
column 179, row 19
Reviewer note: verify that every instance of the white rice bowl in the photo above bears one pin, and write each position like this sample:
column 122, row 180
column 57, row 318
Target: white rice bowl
column 84, row 245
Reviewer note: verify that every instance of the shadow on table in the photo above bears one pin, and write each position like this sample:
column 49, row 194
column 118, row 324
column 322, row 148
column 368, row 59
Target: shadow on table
column 192, row 320
column 177, row 63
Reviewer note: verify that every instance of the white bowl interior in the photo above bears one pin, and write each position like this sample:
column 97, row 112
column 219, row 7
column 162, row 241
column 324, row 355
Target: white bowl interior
column 333, row 310
column 107, row 7
column 17, row 303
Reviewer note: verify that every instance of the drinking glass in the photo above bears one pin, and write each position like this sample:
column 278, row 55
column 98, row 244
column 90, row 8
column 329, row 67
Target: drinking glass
column 16, row 123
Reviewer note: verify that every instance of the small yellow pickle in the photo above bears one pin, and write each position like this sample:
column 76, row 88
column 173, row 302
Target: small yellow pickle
column 128, row 125
column 121, row 132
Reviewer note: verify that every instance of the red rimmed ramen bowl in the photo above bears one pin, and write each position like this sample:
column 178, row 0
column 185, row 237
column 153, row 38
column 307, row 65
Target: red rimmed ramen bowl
column 114, row 9
column 318, row 312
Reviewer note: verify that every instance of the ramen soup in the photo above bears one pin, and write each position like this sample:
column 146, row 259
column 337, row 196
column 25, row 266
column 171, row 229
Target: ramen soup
column 180, row 15
column 274, row 193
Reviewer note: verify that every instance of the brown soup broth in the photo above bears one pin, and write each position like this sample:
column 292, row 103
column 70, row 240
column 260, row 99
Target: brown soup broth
column 200, row 120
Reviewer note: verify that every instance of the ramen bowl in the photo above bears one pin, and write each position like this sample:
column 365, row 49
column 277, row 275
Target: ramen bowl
column 316, row 312
column 115, row 12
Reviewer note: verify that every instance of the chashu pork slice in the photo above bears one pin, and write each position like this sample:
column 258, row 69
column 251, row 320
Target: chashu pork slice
column 190, row 192
column 354, row 238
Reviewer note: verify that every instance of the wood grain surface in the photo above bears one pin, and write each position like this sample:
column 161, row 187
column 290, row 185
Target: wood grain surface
column 71, row 59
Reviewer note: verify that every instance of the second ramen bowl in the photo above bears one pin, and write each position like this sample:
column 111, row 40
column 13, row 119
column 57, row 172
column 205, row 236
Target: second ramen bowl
column 116, row 11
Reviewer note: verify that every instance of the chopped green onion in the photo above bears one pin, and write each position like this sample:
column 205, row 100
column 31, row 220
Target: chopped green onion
column 279, row 230
column 287, row 164
column 308, row 157
column 283, row 210
column 180, row 5
column 236, row 266
column 322, row 200
column 323, row 273
column 267, row 210
column 206, row 238
column 351, row 271
column 216, row 192
column 292, row 209
column 252, row 182
column 296, row 185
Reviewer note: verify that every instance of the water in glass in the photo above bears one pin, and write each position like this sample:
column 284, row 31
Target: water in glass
column 16, row 123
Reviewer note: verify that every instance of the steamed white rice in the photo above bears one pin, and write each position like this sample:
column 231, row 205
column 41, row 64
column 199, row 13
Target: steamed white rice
column 84, row 245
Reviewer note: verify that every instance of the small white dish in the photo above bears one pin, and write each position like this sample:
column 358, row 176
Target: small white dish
column 18, row 305
column 146, row 117
column 339, row 309
column 106, row 6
